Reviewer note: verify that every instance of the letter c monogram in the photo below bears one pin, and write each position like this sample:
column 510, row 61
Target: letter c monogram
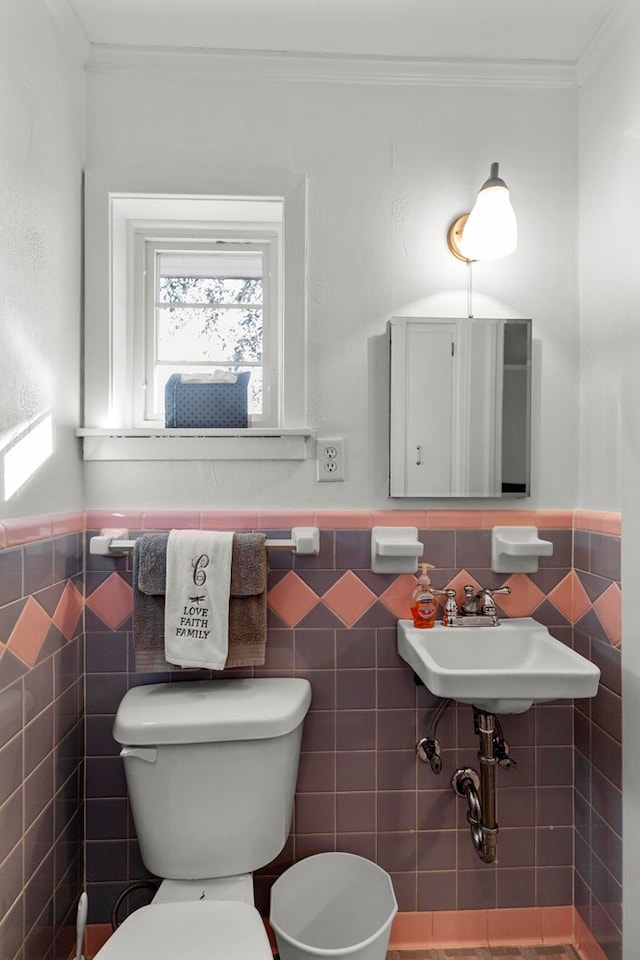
column 198, row 564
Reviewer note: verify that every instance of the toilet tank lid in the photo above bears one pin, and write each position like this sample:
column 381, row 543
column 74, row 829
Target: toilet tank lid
column 209, row 711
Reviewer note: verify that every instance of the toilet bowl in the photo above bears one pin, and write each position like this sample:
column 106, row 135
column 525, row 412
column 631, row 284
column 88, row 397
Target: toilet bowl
column 211, row 769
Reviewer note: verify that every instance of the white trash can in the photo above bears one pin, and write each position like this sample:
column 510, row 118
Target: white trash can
column 333, row 905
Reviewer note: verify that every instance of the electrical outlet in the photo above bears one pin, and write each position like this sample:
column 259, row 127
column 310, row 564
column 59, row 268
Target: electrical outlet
column 330, row 460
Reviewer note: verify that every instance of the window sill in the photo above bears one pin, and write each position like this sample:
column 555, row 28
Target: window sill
column 254, row 443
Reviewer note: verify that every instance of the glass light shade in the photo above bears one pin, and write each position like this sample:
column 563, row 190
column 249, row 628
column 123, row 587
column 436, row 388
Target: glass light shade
column 491, row 230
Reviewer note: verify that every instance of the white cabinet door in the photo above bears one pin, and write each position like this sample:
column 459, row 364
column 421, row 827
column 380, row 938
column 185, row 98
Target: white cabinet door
column 425, row 359
column 446, row 407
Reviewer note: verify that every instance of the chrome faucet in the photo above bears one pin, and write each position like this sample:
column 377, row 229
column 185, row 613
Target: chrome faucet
column 478, row 608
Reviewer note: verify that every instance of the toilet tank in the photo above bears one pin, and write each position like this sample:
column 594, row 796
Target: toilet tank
column 211, row 769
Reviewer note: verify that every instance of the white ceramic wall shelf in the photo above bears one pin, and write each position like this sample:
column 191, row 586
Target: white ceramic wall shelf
column 517, row 549
column 395, row 549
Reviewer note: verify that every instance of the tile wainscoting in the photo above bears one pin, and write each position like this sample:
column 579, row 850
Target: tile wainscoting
column 42, row 735
column 360, row 787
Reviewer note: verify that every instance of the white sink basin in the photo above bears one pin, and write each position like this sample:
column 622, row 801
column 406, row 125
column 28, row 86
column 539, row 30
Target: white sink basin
column 501, row 669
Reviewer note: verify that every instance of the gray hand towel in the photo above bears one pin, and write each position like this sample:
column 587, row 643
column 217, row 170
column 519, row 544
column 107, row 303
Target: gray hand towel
column 247, row 604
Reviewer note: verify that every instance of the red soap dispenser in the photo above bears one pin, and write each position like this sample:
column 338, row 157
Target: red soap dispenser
column 424, row 605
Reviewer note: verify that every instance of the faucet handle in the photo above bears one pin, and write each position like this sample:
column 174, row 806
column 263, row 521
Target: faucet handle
column 488, row 606
column 450, row 607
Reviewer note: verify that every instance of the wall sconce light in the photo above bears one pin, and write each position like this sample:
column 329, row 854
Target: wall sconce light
column 490, row 231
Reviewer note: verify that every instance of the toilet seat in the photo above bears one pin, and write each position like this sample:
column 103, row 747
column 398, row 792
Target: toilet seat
column 197, row 930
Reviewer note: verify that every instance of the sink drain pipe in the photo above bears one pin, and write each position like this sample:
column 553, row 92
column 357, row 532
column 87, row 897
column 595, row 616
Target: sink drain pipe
column 480, row 791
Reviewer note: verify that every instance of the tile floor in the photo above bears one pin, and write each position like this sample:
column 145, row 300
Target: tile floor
column 560, row 952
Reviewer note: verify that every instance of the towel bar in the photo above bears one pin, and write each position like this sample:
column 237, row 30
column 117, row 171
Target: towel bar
column 305, row 541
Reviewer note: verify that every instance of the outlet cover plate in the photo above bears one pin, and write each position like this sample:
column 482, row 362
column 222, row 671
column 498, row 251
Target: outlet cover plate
column 330, row 459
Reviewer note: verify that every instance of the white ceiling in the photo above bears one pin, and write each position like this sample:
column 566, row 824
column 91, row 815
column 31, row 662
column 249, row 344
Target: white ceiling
column 503, row 30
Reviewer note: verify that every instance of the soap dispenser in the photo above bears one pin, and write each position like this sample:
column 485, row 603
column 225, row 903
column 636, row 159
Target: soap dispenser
column 424, row 605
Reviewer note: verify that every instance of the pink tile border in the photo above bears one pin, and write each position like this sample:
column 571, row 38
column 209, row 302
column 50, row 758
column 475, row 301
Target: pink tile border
column 559, row 925
column 404, row 518
column 510, row 926
column 27, row 530
column 460, row 928
column 343, row 519
column 509, row 518
column 169, row 519
column 229, row 519
column 62, row 523
column 96, row 519
column 555, row 519
column 277, row 519
column 16, row 532
column 456, row 519
column 411, row 931
column 595, row 521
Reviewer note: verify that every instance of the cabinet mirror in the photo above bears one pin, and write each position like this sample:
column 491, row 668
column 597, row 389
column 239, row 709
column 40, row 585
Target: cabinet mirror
column 460, row 418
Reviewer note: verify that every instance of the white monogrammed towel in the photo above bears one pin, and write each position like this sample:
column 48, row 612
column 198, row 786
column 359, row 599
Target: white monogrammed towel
column 196, row 617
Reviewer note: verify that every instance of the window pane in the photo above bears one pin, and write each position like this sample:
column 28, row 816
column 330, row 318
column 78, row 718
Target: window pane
column 200, row 290
column 203, row 334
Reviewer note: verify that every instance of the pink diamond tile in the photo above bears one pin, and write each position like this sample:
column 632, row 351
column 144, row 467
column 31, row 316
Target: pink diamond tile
column 397, row 597
column 349, row 598
column 68, row 610
column 112, row 601
column 292, row 599
column 458, row 584
column 570, row 597
column 607, row 607
column 29, row 632
column 525, row 596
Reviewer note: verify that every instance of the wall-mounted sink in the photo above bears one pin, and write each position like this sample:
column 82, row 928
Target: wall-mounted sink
column 502, row 669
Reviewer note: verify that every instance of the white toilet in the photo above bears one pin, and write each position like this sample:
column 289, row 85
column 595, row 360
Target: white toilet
column 211, row 771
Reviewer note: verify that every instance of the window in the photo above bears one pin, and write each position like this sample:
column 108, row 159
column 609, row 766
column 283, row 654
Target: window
column 210, row 305
column 189, row 283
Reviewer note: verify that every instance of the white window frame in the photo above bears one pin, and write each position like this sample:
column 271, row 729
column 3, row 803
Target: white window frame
column 117, row 208
column 146, row 245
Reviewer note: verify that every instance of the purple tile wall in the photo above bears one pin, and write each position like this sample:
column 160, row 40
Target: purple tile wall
column 598, row 755
column 360, row 787
column 41, row 744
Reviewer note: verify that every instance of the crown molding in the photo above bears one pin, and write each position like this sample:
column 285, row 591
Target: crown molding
column 325, row 68
column 604, row 37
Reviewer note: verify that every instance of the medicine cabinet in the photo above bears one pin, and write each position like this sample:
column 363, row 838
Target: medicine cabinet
column 460, row 417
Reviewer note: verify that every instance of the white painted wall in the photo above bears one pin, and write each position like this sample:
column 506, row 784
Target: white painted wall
column 610, row 386
column 41, row 157
column 389, row 166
